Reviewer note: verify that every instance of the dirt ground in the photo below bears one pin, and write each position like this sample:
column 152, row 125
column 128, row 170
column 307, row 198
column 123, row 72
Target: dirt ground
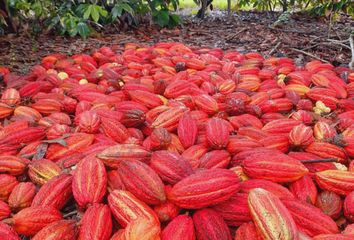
column 302, row 38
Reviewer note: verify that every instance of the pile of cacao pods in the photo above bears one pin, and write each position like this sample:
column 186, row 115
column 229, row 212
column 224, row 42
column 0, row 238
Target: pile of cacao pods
column 176, row 143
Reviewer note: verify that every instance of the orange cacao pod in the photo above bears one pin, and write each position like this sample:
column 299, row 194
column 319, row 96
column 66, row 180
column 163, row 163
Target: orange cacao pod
column 114, row 129
column 349, row 145
column 238, row 144
column 171, row 167
column 160, row 139
column 31, row 220
column 7, row 184
column 26, row 135
column 135, row 174
column 96, row 223
column 349, row 229
column 114, row 182
column 270, row 216
column 304, row 189
column 26, row 113
column 217, row 133
column 59, row 230
column 209, row 224
column 41, row 171
column 187, row 130
column 340, row 182
column 76, row 142
column 177, row 88
column 332, row 237
column 247, row 231
column 309, row 219
column 119, row 235
column 170, row 118
column 279, row 142
column 206, row 104
column 12, row 165
column 10, row 97
column 47, row 106
column 280, row 126
column 204, row 188
column 21, row 196
column 274, row 188
column 194, row 153
column 54, row 193
column 132, row 118
column 89, row 121
column 235, row 211
column 7, row 232
column 57, row 131
column 5, row 110
column 126, row 208
column 166, row 211
column 142, row 229
column 301, row 135
column 112, row 156
column 323, row 131
column 89, row 192
column 349, row 207
column 274, row 167
column 330, row 203
column 215, row 159
column 5, row 210
column 148, row 99
column 181, row 227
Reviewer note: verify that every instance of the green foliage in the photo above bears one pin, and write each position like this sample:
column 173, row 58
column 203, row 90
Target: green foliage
column 161, row 12
column 317, row 7
column 335, row 7
column 82, row 17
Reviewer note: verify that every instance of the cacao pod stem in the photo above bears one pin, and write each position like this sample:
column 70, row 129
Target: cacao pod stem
column 320, row 160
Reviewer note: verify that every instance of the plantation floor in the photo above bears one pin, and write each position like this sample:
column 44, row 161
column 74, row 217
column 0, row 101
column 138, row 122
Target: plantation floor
column 302, row 38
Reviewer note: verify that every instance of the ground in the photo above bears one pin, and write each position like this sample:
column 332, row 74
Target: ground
column 302, row 38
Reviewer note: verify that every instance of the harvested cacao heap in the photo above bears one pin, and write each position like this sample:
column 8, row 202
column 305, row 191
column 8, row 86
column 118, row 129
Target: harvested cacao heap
column 177, row 143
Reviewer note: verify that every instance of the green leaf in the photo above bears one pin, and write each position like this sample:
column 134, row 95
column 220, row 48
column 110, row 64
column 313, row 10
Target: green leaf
column 37, row 8
column 103, row 12
column 162, row 18
column 83, row 30
column 127, row 8
column 53, row 22
column 175, row 4
column 117, row 11
column 176, row 20
column 95, row 14
column 87, row 12
column 71, row 26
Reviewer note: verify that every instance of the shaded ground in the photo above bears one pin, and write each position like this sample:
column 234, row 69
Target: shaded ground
column 302, row 38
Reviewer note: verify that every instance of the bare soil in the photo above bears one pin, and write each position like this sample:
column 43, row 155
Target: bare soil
column 302, row 38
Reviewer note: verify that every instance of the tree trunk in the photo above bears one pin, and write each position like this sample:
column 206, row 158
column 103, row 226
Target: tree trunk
column 229, row 7
column 284, row 4
column 4, row 11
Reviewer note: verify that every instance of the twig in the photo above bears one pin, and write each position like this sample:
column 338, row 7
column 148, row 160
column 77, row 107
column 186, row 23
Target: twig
column 335, row 40
column 310, row 47
column 314, row 39
column 351, row 42
column 320, row 160
column 339, row 43
column 274, row 48
column 330, row 21
column 309, row 54
column 291, row 31
column 234, row 35
column 70, row 214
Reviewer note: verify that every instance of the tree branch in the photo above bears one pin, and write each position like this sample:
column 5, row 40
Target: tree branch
column 351, row 42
